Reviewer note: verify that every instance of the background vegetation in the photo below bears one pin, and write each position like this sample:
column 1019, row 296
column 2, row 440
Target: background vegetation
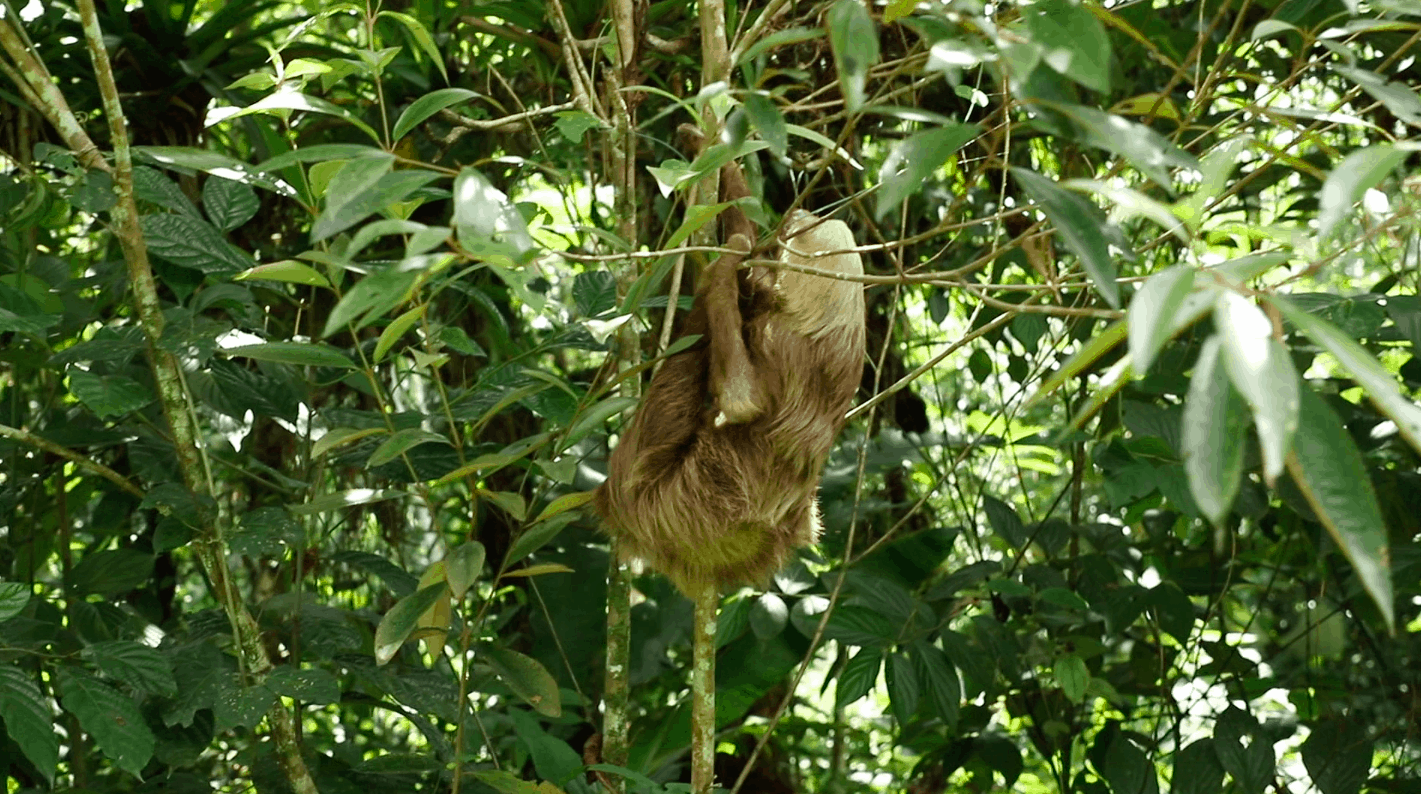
column 305, row 374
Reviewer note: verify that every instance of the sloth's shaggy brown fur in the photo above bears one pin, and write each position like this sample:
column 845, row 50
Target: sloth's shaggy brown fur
column 716, row 479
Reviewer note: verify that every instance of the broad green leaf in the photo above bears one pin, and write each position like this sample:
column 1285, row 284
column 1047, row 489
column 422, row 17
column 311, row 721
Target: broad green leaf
column 538, row 570
column 422, row 37
column 1063, row 597
column 1380, row 385
column 1358, row 172
column 1072, row 42
column 1400, row 98
column 1251, row 766
column 341, row 436
column 1151, row 313
column 1338, row 756
column 859, row 676
column 1215, row 168
column 192, row 243
column 536, row 536
column 287, row 270
column 320, row 153
column 111, row 718
column 1329, row 470
column 1090, row 352
column 897, row 9
column 566, row 502
column 309, row 685
column 134, row 664
column 854, row 40
column 463, row 567
column 916, row 159
column 508, row 501
column 1263, row 373
column 237, row 706
column 528, row 679
column 1197, row 770
column 154, row 187
column 343, row 499
column 300, row 354
column 1212, row 435
column 1132, row 204
column 1128, row 769
column 593, row 418
column 111, row 573
column 400, row 442
column 573, row 124
column 389, row 189
column 483, row 213
column 1072, row 675
column 768, row 121
column 1174, row 611
column 904, row 688
column 396, row 329
column 397, row 624
column 1082, row 229
column 1149, row 152
column 856, row 625
column 780, row 38
column 29, row 719
column 427, row 106
column 937, row 674
column 228, row 203
column 768, row 616
column 369, row 299
column 289, row 99
column 14, row 596
column 1005, row 522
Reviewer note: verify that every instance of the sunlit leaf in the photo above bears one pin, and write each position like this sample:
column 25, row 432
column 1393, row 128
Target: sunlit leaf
column 1263, row 373
column 1213, row 434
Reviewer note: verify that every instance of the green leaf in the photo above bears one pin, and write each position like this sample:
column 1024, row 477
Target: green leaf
column 29, row 719
column 1174, row 611
column 1212, row 435
column 241, row 706
column 400, row 442
column 287, row 99
column 135, row 664
column 1251, row 766
column 1128, row 770
column 1072, row 675
column 422, row 38
column 463, row 567
column 1263, row 373
column 111, row 573
column 427, row 106
column 767, row 119
column 396, row 329
column 768, row 616
column 1362, row 366
column 779, row 38
column 396, row 625
column 110, row 718
column 859, row 676
column 482, row 213
column 300, row 354
column 854, row 40
column 369, row 299
column 1064, row 598
column 389, row 189
column 229, row 203
column 14, row 596
column 1338, row 756
column 352, row 497
column 287, row 270
column 192, row 243
column 537, row 536
column 1358, row 172
column 1005, row 522
column 566, row 502
column 106, row 396
column 1398, row 97
column 1197, row 770
column 855, row 625
column 573, row 124
column 154, row 187
column 1329, row 470
column 593, row 418
column 1149, row 152
column 938, row 675
column 903, row 687
column 526, row 678
column 1082, row 229
column 309, row 685
column 915, row 159
column 1072, row 42
column 1152, row 311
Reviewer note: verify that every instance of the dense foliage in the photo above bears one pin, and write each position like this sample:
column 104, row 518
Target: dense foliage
column 1131, row 499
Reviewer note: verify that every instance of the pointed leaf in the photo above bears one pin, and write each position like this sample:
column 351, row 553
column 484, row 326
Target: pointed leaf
column 110, row 718
column 464, row 566
column 229, row 203
column 528, row 679
column 854, row 40
column 1151, row 314
column 300, row 354
column 134, row 664
column 428, row 105
column 768, row 615
column 1072, row 40
column 859, row 676
column 1263, row 373
column 1072, row 675
column 287, row 270
column 1328, row 469
column 916, row 159
column 940, row 678
column 1352, row 177
column 29, row 719
column 1082, row 229
column 396, row 625
column 1212, row 435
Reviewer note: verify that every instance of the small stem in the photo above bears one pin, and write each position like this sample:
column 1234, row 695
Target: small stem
column 703, row 692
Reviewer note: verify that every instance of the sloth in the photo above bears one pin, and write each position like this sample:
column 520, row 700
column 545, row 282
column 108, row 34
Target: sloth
column 715, row 480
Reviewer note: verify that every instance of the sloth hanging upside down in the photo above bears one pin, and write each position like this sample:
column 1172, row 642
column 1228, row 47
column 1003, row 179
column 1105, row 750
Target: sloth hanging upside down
column 715, row 481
